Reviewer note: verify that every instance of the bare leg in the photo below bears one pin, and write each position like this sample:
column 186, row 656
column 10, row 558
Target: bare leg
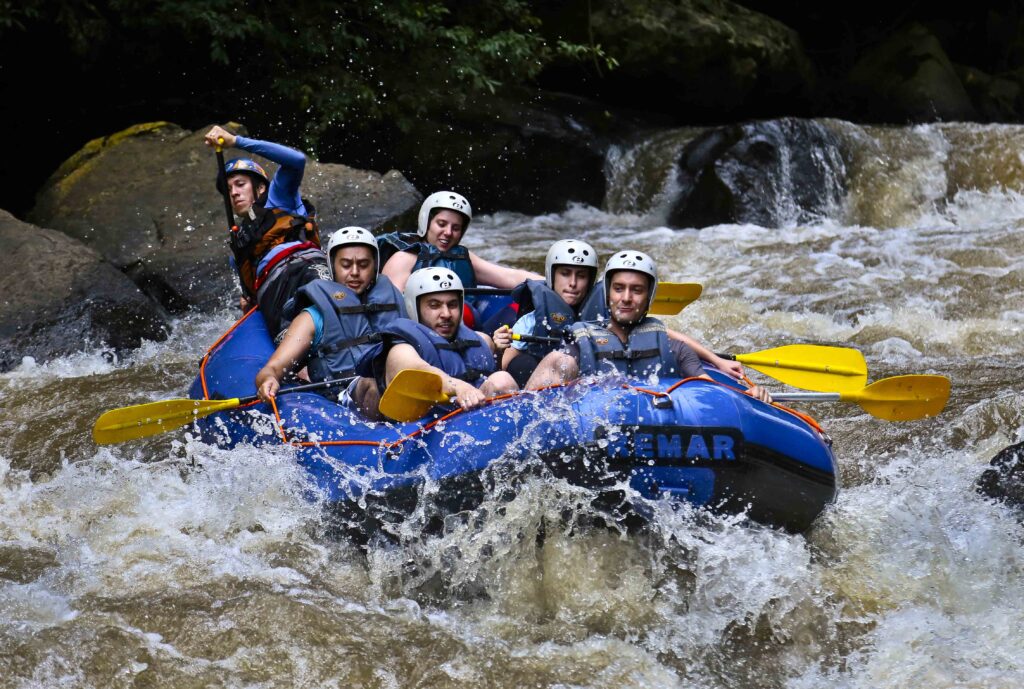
column 367, row 398
column 556, row 368
column 499, row 383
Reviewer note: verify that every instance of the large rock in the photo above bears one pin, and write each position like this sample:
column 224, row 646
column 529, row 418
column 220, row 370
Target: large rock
column 909, row 78
column 145, row 199
column 697, row 59
column 531, row 152
column 1004, row 481
column 61, row 297
column 769, row 173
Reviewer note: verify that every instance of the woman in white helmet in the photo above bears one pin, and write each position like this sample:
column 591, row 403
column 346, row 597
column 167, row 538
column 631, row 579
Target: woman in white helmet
column 442, row 223
column 338, row 322
column 548, row 308
column 434, row 338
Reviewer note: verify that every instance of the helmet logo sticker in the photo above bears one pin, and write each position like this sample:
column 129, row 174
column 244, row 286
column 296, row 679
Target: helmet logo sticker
column 445, row 284
column 577, row 259
column 631, row 264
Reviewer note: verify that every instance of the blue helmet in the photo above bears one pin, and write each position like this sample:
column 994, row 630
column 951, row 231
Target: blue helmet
column 244, row 166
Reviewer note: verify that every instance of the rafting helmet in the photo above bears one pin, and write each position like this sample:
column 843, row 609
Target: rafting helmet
column 631, row 260
column 443, row 200
column 351, row 235
column 430, row 281
column 243, row 166
column 570, row 252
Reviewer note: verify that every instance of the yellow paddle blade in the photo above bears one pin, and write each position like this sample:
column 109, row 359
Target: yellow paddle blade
column 129, row 423
column 673, row 297
column 811, row 367
column 411, row 394
column 902, row 398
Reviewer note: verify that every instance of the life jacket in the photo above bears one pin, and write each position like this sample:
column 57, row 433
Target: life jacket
column 595, row 305
column 647, row 350
column 455, row 259
column 552, row 315
column 465, row 357
column 270, row 227
column 352, row 324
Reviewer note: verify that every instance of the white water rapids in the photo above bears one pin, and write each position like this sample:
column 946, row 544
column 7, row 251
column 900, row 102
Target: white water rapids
column 169, row 563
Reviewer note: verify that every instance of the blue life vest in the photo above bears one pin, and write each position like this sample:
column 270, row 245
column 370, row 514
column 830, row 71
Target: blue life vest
column 465, row 357
column 647, row 351
column 595, row 305
column 552, row 316
column 351, row 324
column 455, row 259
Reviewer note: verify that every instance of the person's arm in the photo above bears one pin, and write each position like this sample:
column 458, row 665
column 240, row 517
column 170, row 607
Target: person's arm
column 293, row 349
column 403, row 356
column 523, row 326
column 399, row 268
column 690, row 367
column 731, row 368
column 284, row 187
column 493, row 275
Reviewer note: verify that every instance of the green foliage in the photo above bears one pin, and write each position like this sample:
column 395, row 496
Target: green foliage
column 332, row 63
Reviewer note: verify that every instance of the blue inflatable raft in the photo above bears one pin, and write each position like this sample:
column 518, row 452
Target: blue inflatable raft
column 693, row 440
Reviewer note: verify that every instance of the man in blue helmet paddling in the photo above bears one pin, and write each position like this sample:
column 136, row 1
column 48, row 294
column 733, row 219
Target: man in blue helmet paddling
column 276, row 242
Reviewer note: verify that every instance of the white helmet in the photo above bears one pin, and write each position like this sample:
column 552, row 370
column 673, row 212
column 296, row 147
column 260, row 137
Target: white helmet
column 631, row 260
column 448, row 200
column 352, row 235
column 569, row 252
column 429, row 281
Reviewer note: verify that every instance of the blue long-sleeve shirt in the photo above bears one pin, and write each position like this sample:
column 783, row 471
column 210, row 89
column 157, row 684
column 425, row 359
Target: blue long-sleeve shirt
column 284, row 187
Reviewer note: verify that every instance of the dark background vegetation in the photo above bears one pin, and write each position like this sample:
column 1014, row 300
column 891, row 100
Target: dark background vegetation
column 343, row 80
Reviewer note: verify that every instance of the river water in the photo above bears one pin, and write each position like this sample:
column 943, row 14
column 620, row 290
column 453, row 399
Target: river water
column 169, row 563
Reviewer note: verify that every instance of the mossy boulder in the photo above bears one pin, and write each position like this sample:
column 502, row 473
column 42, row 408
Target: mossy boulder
column 145, row 199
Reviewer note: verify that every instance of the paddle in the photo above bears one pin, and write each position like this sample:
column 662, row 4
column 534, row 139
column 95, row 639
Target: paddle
column 223, row 178
column 143, row 420
column 670, row 299
column 811, row 367
column 411, row 394
column 538, row 339
column 900, row 398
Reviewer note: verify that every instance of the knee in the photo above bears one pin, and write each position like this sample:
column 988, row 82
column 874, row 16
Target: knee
column 499, row 383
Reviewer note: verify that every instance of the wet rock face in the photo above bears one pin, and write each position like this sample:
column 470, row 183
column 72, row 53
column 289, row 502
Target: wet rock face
column 61, row 297
column 909, row 77
column 769, row 173
column 532, row 155
column 145, row 199
column 1005, row 480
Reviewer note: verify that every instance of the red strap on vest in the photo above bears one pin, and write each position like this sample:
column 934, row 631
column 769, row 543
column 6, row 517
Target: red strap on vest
column 280, row 257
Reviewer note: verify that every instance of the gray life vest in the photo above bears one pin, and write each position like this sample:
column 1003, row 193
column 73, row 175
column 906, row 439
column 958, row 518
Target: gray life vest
column 465, row 357
column 647, row 351
column 351, row 325
column 552, row 316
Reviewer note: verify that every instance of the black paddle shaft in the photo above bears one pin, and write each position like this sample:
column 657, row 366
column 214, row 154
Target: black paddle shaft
column 223, row 177
column 539, row 339
column 303, row 388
